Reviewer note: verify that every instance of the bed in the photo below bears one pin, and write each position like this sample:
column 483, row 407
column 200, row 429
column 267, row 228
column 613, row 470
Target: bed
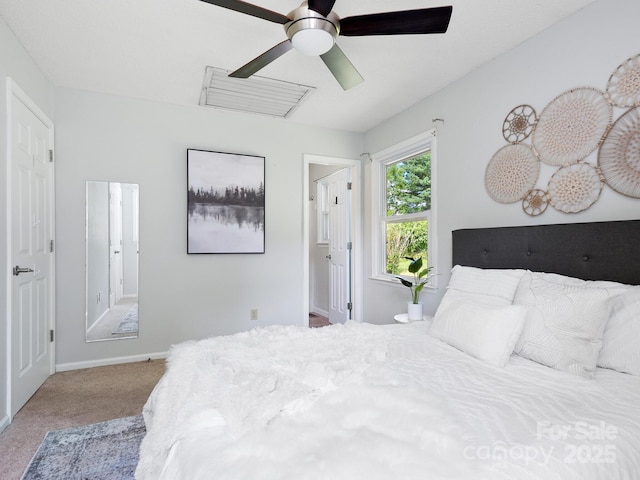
column 530, row 369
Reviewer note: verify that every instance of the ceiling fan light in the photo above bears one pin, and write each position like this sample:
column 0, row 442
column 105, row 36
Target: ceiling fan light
column 312, row 41
column 310, row 32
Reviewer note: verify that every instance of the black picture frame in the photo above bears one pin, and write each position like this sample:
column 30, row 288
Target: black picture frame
column 225, row 202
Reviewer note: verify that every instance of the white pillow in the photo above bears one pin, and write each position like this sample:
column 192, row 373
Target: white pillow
column 614, row 288
column 481, row 286
column 621, row 340
column 564, row 323
column 486, row 332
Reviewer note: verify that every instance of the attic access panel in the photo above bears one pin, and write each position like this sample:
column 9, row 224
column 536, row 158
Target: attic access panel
column 260, row 95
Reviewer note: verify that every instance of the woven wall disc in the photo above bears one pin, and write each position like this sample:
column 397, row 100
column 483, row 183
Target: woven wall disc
column 535, row 202
column 623, row 87
column 511, row 173
column 572, row 126
column 519, row 123
column 619, row 155
column 574, row 188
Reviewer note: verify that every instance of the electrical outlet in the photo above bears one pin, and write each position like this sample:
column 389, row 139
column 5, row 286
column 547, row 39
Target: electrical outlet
column 253, row 314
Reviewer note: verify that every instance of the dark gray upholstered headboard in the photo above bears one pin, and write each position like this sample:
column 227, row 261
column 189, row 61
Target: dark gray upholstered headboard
column 591, row 251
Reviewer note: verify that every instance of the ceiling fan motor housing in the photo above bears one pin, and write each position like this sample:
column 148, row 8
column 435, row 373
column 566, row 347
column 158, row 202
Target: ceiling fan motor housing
column 314, row 34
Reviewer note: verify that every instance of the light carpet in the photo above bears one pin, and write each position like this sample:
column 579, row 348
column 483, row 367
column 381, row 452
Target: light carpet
column 101, row 451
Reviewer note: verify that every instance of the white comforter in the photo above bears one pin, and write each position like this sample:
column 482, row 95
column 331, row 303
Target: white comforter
column 380, row 402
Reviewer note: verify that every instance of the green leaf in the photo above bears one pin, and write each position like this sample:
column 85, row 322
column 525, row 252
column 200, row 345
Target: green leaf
column 415, row 265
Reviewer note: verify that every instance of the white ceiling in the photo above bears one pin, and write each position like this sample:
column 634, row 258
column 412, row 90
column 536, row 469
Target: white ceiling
column 158, row 49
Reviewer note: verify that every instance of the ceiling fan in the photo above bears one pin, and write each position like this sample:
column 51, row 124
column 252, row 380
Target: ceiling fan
column 312, row 29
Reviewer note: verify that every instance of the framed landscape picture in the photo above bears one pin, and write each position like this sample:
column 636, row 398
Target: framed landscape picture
column 225, row 202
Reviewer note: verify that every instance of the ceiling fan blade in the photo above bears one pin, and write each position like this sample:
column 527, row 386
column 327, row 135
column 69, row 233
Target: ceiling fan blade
column 249, row 9
column 342, row 68
column 263, row 60
column 323, row 7
column 408, row 22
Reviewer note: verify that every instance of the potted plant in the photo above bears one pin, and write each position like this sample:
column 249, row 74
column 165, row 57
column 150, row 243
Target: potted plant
column 420, row 279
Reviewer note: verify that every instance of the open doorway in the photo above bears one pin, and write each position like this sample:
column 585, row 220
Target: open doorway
column 328, row 286
column 326, row 292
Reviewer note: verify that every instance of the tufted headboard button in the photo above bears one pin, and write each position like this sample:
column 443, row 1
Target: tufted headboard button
column 528, row 253
column 585, row 258
column 484, row 252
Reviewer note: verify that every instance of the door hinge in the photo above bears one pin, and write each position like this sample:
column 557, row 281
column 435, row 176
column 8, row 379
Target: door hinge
column 349, row 306
column 349, row 245
column 51, row 156
column 51, row 335
column 51, row 246
column 349, row 185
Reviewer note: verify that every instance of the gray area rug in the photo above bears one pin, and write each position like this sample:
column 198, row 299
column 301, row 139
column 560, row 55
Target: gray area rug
column 129, row 324
column 102, row 451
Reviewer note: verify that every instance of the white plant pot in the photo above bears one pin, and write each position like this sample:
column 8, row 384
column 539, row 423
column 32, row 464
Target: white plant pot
column 414, row 311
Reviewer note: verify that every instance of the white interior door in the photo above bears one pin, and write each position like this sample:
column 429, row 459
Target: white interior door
column 115, row 244
column 31, row 214
column 339, row 247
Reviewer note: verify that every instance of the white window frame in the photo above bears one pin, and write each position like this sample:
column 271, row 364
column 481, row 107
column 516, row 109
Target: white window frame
column 406, row 149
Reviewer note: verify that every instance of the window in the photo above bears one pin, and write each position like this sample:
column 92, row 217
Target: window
column 402, row 222
column 322, row 216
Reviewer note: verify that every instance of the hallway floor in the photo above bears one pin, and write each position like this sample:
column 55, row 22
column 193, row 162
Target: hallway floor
column 316, row 321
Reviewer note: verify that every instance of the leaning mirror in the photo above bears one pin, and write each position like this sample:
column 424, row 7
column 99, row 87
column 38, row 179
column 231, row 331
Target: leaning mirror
column 112, row 249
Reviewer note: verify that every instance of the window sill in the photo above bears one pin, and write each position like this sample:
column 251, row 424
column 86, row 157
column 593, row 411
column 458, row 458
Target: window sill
column 392, row 281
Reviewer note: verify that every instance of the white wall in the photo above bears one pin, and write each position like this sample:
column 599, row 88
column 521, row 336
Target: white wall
column 97, row 252
column 16, row 64
column 182, row 296
column 582, row 50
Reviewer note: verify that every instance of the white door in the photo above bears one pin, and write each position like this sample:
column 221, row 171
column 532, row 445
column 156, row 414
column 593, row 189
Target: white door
column 31, row 213
column 115, row 244
column 339, row 246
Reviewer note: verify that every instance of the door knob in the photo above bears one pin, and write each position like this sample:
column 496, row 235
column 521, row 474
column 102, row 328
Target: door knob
column 17, row 270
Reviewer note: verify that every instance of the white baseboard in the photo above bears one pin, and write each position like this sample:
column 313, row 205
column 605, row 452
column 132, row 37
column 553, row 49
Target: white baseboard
column 63, row 367
column 4, row 422
column 319, row 311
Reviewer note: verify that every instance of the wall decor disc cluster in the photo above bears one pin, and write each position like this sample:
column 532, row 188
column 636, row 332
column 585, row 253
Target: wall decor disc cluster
column 535, row 202
column 569, row 129
column 619, row 155
column 574, row 188
column 511, row 173
column 519, row 123
column 623, row 87
column 572, row 126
